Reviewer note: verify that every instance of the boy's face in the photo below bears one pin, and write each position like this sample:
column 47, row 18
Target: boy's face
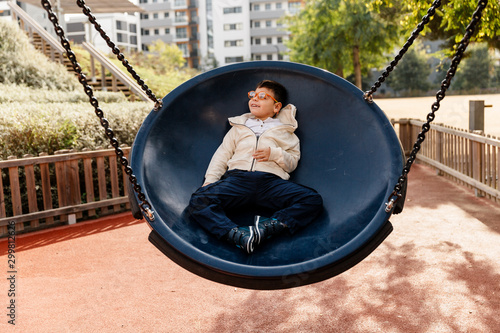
column 263, row 108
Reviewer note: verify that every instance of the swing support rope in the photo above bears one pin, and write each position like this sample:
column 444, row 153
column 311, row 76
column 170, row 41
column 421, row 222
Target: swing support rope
column 445, row 84
column 144, row 205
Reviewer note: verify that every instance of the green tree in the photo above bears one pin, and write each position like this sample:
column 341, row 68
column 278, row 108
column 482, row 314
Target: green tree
column 452, row 18
column 165, row 57
column 411, row 74
column 343, row 36
column 476, row 71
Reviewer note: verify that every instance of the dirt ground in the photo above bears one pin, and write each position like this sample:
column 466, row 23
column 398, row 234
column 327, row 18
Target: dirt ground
column 438, row 271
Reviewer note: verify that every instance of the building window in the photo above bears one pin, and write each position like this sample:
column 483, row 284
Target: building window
column 166, row 14
column 181, row 32
column 269, row 24
column 120, row 25
column 179, row 3
column 167, row 31
column 268, row 6
column 258, row 57
column 119, row 38
column 233, row 43
column 155, row 16
column 157, row 32
column 232, row 10
column 278, row 5
column 233, row 59
column 269, row 57
column 143, row 1
column 180, row 17
column 256, row 24
column 133, row 40
column 184, row 49
column 144, row 32
column 294, row 7
column 233, row 26
column 269, row 40
column 257, row 41
column 144, row 16
column 256, row 7
column 280, row 40
column 133, row 28
column 280, row 57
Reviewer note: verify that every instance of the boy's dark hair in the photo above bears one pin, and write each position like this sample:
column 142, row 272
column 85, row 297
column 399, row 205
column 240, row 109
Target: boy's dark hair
column 279, row 90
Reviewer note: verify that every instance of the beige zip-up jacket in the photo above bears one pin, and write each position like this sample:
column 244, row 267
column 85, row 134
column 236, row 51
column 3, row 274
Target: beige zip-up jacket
column 240, row 143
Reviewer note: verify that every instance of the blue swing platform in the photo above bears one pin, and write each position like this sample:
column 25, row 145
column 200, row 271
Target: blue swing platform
column 350, row 155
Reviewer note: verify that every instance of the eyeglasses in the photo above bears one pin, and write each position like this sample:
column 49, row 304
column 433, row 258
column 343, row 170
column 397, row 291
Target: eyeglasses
column 262, row 95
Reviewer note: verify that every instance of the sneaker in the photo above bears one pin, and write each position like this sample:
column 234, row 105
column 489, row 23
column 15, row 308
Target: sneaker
column 266, row 227
column 242, row 237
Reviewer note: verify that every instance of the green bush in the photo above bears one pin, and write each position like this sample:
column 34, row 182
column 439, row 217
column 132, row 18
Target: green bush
column 37, row 120
column 20, row 63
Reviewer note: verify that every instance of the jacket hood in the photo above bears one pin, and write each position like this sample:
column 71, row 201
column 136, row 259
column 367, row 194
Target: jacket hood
column 286, row 116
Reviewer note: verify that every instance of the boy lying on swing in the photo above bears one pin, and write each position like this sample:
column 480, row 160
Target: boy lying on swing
column 251, row 168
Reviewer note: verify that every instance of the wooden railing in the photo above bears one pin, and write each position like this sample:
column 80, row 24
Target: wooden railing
column 471, row 158
column 36, row 192
column 41, row 39
column 117, row 75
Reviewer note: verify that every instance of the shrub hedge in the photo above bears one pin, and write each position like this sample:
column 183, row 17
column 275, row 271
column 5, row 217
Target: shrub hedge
column 41, row 120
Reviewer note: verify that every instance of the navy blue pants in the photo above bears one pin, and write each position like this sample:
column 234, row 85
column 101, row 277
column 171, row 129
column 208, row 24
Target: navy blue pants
column 293, row 204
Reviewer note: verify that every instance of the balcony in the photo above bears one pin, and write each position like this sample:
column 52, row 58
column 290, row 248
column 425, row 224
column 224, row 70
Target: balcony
column 267, row 14
column 264, row 32
column 156, row 23
column 156, row 7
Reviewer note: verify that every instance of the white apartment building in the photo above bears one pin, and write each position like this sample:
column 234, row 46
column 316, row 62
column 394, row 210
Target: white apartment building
column 242, row 30
column 218, row 32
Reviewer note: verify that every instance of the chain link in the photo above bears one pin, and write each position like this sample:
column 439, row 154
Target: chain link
column 445, row 84
column 368, row 96
column 145, row 205
column 118, row 53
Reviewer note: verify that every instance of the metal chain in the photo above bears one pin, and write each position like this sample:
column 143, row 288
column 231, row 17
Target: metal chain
column 118, row 53
column 432, row 10
column 145, row 205
column 445, row 84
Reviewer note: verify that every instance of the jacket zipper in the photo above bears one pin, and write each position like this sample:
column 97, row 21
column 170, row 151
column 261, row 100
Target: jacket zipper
column 256, row 145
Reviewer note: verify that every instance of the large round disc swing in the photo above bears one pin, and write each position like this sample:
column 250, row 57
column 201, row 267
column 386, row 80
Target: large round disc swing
column 350, row 155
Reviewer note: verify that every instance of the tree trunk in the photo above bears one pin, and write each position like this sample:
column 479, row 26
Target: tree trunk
column 357, row 66
column 340, row 71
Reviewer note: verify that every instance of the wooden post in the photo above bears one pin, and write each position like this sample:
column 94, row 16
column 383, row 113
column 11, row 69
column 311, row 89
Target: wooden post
column 29, row 173
column 476, row 115
column 89, row 183
column 101, row 179
column 113, row 174
column 477, row 163
column 46, row 188
column 405, row 135
column 62, row 187
column 3, row 229
column 15, row 192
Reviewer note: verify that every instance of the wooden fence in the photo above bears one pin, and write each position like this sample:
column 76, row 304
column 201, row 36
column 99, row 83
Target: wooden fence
column 471, row 158
column 36, row 192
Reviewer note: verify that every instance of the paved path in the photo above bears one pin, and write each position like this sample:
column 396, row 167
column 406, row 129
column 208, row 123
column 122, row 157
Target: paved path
column 439, row 271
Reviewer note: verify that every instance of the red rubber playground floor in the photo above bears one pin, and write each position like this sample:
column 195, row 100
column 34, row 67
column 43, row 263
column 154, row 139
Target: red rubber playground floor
column 439, row 271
